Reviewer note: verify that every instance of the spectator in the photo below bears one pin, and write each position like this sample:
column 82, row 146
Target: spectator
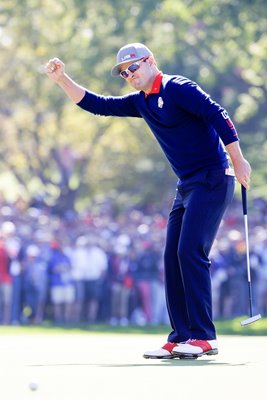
column 18, row 255
column 79, row 255
column 159, row 312
column 94, row 280
column 219, row 276
column 261, row 295
column 5, row 285
column 62, row 292
column 121, row 286
column 34, row 285
column 146, row 276
column 16, row 301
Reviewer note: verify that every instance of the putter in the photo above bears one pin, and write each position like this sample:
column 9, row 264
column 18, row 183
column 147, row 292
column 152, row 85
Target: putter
column 245, row 212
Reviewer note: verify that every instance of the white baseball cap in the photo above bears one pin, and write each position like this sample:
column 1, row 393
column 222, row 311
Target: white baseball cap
column 130, row 52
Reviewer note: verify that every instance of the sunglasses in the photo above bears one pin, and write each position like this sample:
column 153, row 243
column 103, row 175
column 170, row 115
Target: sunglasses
column 132, row 68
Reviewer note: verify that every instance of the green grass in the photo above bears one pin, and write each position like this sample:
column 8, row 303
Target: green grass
column 224, row 327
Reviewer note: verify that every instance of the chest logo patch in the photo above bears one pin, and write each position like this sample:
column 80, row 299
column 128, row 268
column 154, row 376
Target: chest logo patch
column 160, row 102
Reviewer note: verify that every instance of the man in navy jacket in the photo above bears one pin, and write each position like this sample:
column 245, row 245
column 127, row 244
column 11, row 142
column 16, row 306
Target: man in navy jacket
column 195, row 134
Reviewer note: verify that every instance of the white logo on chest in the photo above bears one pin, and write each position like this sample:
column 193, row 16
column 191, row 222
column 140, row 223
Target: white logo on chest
column 160, row 102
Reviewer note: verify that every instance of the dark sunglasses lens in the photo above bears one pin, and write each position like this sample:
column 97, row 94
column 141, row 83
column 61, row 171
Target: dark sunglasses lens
column 124, row 74
column 134, row 67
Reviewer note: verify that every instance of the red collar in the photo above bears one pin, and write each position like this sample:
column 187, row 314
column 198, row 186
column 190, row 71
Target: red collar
column 156, row 84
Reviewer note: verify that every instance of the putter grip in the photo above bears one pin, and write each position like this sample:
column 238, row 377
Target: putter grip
column 244, row 199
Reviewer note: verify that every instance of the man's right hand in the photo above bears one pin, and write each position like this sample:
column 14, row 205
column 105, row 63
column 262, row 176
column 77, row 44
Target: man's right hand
column 55, row 69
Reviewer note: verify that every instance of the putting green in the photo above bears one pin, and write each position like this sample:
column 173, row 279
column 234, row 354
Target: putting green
column 101, row 367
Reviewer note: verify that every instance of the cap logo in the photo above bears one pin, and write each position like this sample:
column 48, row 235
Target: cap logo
column 128, row 56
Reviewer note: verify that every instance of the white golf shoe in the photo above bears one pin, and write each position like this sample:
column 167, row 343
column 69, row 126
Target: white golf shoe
column 194, row 348
column 164, row 352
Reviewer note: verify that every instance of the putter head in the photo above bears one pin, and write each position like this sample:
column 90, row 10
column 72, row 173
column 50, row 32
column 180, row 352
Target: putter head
column 250, row 320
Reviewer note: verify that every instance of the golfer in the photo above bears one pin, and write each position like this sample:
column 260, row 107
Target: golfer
column 197, row 137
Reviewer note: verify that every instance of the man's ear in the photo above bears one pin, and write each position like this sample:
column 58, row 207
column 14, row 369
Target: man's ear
column 152, row 61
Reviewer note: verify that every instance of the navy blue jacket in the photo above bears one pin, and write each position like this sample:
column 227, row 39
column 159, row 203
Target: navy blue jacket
column 190, row 127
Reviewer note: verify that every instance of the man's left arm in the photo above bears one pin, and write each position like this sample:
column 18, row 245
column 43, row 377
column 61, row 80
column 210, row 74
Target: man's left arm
column 198, row 102
column 189, row 96
column 227, row 132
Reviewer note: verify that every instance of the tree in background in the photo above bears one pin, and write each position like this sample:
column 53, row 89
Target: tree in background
column 68, row 157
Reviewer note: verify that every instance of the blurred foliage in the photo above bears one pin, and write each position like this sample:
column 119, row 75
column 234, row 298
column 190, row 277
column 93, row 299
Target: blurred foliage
column 70, row 158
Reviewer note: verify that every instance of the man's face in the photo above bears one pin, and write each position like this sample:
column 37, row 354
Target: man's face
column 142, row 77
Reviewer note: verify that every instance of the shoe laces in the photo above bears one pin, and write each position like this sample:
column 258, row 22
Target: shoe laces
column 191, row 341
column 195, row 341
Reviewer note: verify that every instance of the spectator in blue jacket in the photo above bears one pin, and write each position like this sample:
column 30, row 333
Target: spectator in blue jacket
column 195, row 134
column 62, row 291
column 34, row 285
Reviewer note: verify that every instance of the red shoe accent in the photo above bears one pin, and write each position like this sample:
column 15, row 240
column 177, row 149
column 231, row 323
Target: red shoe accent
column 203, row 344
column 169, row 346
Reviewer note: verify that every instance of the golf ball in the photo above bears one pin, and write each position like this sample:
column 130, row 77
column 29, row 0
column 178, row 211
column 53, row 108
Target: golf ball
column 33, row 386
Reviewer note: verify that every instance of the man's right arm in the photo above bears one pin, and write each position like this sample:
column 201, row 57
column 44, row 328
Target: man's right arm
column 55, row 70
column 120, row 106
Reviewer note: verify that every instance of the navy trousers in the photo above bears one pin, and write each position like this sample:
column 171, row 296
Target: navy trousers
column 197, row 211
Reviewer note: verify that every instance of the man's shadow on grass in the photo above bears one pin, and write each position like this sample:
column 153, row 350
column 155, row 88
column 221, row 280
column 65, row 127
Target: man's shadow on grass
column 177, row 363
column 159, row 363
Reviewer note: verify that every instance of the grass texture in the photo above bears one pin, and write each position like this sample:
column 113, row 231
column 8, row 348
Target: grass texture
column 224, row 327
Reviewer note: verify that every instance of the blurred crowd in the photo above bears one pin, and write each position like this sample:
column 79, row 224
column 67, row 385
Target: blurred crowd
column 103, row 267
